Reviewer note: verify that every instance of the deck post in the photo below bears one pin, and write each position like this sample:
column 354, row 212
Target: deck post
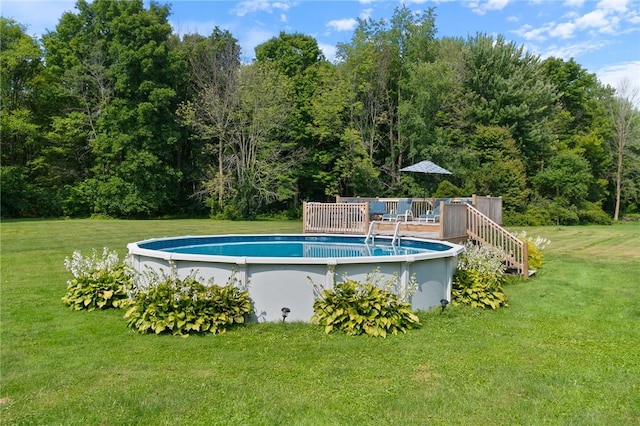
column 367, row 205
column 525, row 260
column 304, row 217
column 441, row 221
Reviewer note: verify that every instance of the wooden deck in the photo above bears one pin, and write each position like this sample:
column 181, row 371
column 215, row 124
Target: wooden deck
column 416, row 229
column 476, row 218
column 354, row 217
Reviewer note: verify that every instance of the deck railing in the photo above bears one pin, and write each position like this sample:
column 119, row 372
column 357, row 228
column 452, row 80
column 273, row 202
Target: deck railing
column 453, row 221
column 336, row 218
column 486, row 231
column 489, row 206
column 418, row 205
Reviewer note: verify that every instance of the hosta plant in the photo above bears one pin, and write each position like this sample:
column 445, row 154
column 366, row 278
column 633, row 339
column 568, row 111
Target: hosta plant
column 363, row 308
column 166, row 303
column 99, row 281
column 535, row 246
column 479, row 278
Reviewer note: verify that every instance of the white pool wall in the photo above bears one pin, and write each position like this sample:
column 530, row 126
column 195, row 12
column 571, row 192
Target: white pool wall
column 276, row 282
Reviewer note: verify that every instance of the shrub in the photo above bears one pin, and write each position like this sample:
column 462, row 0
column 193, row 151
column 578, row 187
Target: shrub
column 14, row 196
column 631, row 217
column 363, row 308
column 563, row 213
column 479, row 278
column 592, row 213
column 184, row 306
column 447, row 190
column 99, row 281
column 535, row 246
column 537, row 213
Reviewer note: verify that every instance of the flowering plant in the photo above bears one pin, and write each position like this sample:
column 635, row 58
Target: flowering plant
column 479, row 278
column 535, row 246
column 376, row 307
column 166, row 303
column 99, row 280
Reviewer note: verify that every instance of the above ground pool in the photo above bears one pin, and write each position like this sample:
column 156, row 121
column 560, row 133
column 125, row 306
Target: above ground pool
column 280, row 271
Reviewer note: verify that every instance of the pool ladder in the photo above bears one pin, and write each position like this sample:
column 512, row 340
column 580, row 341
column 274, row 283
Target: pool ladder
column 372, row 233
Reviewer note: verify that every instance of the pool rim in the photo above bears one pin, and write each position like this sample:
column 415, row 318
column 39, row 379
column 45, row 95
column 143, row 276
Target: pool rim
column 454, row 250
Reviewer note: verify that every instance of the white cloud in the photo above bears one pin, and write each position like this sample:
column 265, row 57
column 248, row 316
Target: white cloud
column 614, row 74
column 612, row 28
column 571, row 15
column 574, row 3
column 283, row 17
column 528, row 32
column 366, row 14
column 481, row 7
column 565, row 30
column 633, row 17
column 329, row 51
column 346, row 24
column 594, row 19
column 567, row 51
column 497, row 4
column 614, row 5
column 245, row 7
column 252, row 38
column 610, row 19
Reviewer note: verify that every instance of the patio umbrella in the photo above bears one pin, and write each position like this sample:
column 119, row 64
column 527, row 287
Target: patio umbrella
column 426, row 166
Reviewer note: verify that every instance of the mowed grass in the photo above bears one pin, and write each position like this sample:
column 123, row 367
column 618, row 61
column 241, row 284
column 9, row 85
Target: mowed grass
column 565, row 351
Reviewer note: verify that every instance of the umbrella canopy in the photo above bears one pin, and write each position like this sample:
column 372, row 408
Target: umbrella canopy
column 426, row 166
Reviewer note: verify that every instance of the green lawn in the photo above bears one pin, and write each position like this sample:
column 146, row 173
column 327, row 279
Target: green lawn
column 565, row 351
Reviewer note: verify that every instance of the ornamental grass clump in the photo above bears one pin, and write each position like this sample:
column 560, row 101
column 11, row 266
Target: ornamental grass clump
column 99, row 281
column 363, row 308
column 535, row 246
column 479, row 279
column 166, row 303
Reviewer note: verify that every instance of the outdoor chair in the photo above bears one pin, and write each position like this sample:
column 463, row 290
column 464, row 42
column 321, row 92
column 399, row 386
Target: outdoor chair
column 403, row 212
column 432, row 216
column 377, row 209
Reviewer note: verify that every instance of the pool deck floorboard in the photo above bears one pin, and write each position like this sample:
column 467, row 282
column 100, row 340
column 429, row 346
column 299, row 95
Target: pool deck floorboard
column 409, row 229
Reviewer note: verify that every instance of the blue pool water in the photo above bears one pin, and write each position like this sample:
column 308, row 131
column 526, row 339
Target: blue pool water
column 287, row 247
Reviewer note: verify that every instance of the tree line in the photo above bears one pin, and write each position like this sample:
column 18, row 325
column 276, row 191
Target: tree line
column 112, row 114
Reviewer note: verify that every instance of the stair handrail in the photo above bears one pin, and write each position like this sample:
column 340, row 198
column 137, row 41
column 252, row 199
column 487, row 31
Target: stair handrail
column 371, row 234
column 483, row 229
column 396, row 235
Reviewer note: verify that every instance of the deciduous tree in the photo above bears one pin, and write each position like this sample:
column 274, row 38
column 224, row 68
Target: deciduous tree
column 625, row 119
column 214, row 69
column 113, row 65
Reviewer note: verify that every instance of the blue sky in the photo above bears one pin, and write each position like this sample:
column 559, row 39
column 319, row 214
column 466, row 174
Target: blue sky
column 601, row 35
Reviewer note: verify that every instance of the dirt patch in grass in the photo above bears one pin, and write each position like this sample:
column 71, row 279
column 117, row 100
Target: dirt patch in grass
column 424, row 373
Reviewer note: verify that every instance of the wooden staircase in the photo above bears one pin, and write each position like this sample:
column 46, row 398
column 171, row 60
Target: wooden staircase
column 482, row 229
